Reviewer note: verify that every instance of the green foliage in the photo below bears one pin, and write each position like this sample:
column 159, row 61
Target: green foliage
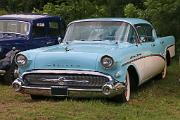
column 164, row 14
column 131, row 11
column 73, row 10
column 3, row 12
column 78, row 9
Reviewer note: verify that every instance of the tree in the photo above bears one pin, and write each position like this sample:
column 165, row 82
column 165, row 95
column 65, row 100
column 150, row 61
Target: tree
column 74, row 9
column 164, row 15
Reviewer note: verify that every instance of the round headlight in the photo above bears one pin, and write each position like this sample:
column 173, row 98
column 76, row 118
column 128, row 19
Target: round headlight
column 107, row 61
column 21, row 60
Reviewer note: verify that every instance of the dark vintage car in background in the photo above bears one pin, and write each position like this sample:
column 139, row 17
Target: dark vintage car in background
column 19, row 32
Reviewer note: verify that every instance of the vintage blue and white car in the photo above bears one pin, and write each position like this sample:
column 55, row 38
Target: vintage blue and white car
column 107, row 56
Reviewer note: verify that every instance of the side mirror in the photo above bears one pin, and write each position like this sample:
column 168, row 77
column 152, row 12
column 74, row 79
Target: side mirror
column 59, row 40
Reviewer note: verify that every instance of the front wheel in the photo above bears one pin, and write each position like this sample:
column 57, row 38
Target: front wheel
column 163, row 74
column 125, row 96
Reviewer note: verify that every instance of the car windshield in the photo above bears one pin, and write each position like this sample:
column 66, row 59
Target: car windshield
column 98, row 31
column 14, row 26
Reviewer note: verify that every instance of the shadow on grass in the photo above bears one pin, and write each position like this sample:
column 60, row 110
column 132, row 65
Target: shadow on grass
column 104, row 100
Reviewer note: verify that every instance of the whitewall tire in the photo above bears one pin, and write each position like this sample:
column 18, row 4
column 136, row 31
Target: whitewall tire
column 125, row 96
column 164, row 72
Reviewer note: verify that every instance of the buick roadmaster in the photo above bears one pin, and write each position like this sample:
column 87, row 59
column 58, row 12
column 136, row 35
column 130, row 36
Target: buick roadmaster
column 107, row 56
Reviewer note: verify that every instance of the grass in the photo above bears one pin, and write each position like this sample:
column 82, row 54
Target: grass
column 155, row 100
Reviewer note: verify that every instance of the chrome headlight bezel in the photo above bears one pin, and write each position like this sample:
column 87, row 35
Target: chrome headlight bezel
column 21, row 60
column 107, row 61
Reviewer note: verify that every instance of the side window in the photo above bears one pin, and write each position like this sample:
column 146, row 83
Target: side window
column 39, row 30
column 53, row 29
column 145, row 32
column 132, row 36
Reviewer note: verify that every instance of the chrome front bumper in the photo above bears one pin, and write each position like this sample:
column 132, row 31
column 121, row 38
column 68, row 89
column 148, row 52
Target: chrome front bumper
column 108, row 90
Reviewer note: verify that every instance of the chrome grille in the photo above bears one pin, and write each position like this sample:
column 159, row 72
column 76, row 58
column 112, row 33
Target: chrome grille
column 71, row 80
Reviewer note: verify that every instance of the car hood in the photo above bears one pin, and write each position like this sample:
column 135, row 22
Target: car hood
column 73, row 56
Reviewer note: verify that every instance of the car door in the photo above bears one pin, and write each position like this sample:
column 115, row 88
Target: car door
column 153, row 61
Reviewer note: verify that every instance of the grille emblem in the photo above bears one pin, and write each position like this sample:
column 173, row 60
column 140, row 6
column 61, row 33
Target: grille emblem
column 61, row 80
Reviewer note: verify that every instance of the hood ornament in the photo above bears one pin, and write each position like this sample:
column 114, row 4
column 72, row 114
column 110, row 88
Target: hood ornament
column 61, row 80
column 67, row 49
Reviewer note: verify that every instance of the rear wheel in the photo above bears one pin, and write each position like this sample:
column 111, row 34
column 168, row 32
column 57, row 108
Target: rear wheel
column 163, row 74
column 168, row 58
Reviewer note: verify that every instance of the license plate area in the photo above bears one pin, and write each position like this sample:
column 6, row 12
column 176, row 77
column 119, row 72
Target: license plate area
column 59, row 91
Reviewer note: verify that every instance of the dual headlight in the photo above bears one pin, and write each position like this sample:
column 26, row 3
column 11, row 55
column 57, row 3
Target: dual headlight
column 21, row 60
column 107, row 61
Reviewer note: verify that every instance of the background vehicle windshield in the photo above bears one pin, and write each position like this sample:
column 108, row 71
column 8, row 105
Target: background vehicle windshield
column 13, row 26
column 98, row 31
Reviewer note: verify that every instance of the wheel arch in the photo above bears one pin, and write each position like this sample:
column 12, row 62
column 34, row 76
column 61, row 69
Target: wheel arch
column 134, row 77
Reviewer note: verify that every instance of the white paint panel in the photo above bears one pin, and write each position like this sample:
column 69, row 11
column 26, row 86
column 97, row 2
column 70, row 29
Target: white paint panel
column 148, row 67
column 140, row 68
column 172, row 51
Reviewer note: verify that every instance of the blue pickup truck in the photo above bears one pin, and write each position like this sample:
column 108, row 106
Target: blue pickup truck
column 19, row 32
column 105, row 56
